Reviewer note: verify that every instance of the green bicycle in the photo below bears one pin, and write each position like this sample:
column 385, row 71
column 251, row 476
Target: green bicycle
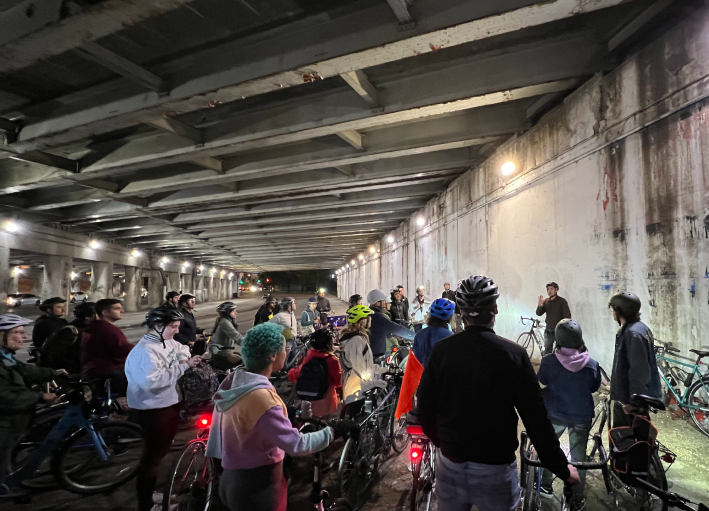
column 695, row 398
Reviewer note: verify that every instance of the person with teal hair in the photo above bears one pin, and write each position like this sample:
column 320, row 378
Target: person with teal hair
column 251, row 432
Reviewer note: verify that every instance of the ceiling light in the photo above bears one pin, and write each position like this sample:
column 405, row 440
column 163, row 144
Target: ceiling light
column 94, row 244
column 165, row 259
column 353, row 262
column 135, row 252
column 507, row 169
column 390, row 239
column 420, row 221
column 361, row 257
column 185, row 264
column 73, row 275
column 11, row 226
column 372, row 250
column 201, row 267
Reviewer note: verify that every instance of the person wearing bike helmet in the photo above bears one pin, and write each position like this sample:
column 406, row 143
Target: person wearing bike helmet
column 358, row 370
column 399, row 307
column 382, row 328
column 309, row 318
column 251, row 432
column 437, row 328
column 477, row 464
column 188, row 327
column 286, row 319
column 321, row 347
column 634, row 364
column 171, row 300
column 356, row 300
column 571, row 377
column 556, row 308
column 225, row 345
column 52, row 320
column 266, row 311
column 18, row 399
column 84, row 315
column 153, row 368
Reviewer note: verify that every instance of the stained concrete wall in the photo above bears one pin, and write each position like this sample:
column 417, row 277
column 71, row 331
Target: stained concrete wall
column 611, row 193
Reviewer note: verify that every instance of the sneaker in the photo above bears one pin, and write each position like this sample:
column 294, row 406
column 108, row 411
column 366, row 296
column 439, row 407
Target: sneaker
column 546, row 491
column 579, row 506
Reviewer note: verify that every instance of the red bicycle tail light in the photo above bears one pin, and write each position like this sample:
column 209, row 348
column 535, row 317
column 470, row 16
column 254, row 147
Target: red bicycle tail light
column 204, row 421
column 415, row 454
column 394, row 349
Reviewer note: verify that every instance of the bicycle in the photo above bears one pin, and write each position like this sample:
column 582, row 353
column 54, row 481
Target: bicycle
column 531, row 340
column 89, row 455
column 531, row 474
column 423, row 464
column 194, row 475
column 695, row 398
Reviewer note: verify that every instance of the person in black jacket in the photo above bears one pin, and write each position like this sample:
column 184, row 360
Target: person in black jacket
column 266, row 311
column 399, row 307
column 188, row 326
column 172, row 299
column 52, row 320
column 382, row 328
column 477, row 465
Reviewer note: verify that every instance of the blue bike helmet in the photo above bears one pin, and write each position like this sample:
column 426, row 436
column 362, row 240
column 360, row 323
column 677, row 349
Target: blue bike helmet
column 442, row 308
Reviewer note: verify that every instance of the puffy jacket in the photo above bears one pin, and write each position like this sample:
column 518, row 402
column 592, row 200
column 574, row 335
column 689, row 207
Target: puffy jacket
column 152, row 369
column 358, row 369
column 17, row 399
column 400, row 311
column 188, row 328
column 634, row 365
column 225, row 336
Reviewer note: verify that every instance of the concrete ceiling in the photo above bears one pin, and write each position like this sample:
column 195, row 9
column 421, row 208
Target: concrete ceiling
column 276, row 134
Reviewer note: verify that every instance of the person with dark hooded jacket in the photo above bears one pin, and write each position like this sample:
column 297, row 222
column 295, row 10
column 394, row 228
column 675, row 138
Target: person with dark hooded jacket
column 323, row 303
column 382, row 327
column 399, row 308
column 188, row 326
column 266, row 311
column 51, row 321
column 62, row 350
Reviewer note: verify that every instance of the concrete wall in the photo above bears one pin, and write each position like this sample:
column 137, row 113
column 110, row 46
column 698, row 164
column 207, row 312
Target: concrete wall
column 611, row 193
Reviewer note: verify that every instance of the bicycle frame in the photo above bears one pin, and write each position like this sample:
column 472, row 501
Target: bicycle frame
column 73, row 417
column 696, row 373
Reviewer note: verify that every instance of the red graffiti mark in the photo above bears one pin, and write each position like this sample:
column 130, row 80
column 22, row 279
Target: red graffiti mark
column 609, row 185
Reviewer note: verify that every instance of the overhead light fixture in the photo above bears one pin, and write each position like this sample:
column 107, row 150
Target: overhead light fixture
column 507, row 169
column 420, row 221
column 372, row 249
column 322, row 289
column 135, row 252
column 343, row 268
column 185, row 264
column 213, row 269
column 201, row 267
column 94, row 244
column 332, row 276
column 73, row 275
column 390, row 239
column 11, row 226
column 165, row 259
column 231, row 274
column 353, row 262
column 222, row 272
column 361, row 257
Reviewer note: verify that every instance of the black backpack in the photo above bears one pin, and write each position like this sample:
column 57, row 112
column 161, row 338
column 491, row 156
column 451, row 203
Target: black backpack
column 313, row 381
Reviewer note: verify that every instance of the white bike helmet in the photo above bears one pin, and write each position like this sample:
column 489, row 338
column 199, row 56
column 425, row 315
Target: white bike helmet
column 10, row 321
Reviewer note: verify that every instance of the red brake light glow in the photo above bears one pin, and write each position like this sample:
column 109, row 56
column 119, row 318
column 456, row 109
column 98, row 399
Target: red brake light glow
column 204, row 421
column 415, row 455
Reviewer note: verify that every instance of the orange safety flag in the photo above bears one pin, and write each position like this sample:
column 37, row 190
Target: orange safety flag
column 412, row 377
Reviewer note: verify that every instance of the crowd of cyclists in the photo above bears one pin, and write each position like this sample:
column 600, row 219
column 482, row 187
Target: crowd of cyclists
column 456, row 360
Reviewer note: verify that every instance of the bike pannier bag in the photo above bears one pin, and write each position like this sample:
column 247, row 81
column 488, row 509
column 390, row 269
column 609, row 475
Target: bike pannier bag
column 632, row 449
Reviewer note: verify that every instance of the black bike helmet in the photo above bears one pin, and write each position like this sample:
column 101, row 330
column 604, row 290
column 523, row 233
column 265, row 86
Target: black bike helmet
column 162, row 316
column 171, row 295
column 477, row 295
column 85, row 310
column 625, row 303
column 47, row 304
column 568, row 334
column 184, row 298
column 286, row 303
column 270, row 299
column 322, row 339
column 224, row 309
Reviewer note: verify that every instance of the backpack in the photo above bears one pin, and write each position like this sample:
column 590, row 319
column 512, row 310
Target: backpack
column 632, row 449
column 313, row 381
column 198, row 384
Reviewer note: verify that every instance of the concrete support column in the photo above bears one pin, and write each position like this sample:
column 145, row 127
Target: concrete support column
column 215, row 288
column 207, row 290
column 57, row 276
column 155, row 289
column 173, row 281
column 131, row 302
column 101, row 281
column 4, row 277
column 199, row 288
column 188, row 286
column 223, row 291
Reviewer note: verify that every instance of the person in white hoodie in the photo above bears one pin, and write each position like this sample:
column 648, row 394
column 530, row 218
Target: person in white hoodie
column 153, row 368
column 286, row 318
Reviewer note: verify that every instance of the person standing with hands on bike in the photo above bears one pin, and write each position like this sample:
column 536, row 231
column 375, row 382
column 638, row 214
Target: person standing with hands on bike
column 17, row 398
column 477, row 431
column 634, row 365
column 556, row 308
column 153, row 368
column 571, row 377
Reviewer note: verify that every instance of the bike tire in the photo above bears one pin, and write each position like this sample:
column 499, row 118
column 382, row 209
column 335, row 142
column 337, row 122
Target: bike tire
column 423, row 481
column 530, row 495
column 698, row 395
column 192, row 484
column 125, row 445
column 357, row 469
column 527, row 341
column 42, row 423
column 399, row 436
column 658, row 478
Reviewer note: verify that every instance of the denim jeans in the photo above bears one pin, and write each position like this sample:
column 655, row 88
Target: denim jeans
column 578, row 440
column 549, row 340
column 459, row 486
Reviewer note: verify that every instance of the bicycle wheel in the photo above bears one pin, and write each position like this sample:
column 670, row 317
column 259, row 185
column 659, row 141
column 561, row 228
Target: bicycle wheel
column 192, row 480
column 424, row 481
column 41, row 425
column 79, row 468
column 358, row 468
column 527, row 341
column 530, row 481
column 698, row 395
column 399, row 436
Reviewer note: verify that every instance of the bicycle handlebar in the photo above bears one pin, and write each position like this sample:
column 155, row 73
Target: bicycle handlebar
column 535, row 322
column 583, row 465
column 671, row 499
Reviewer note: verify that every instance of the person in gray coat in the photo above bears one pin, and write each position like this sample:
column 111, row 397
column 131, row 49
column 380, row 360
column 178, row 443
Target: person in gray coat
column 225, row 345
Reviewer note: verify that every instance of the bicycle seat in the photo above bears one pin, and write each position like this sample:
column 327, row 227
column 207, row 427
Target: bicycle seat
column 701, row 353
column 650, row 402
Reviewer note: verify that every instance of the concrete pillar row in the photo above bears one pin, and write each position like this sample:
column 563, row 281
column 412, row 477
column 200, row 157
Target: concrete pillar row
column 207, row 289
column 156, row 288
column 188, row 284
column 101, row 281
column 199, row 288
column 133, row 285
column 4, row 277
column 173, row 281
column 57, row 276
